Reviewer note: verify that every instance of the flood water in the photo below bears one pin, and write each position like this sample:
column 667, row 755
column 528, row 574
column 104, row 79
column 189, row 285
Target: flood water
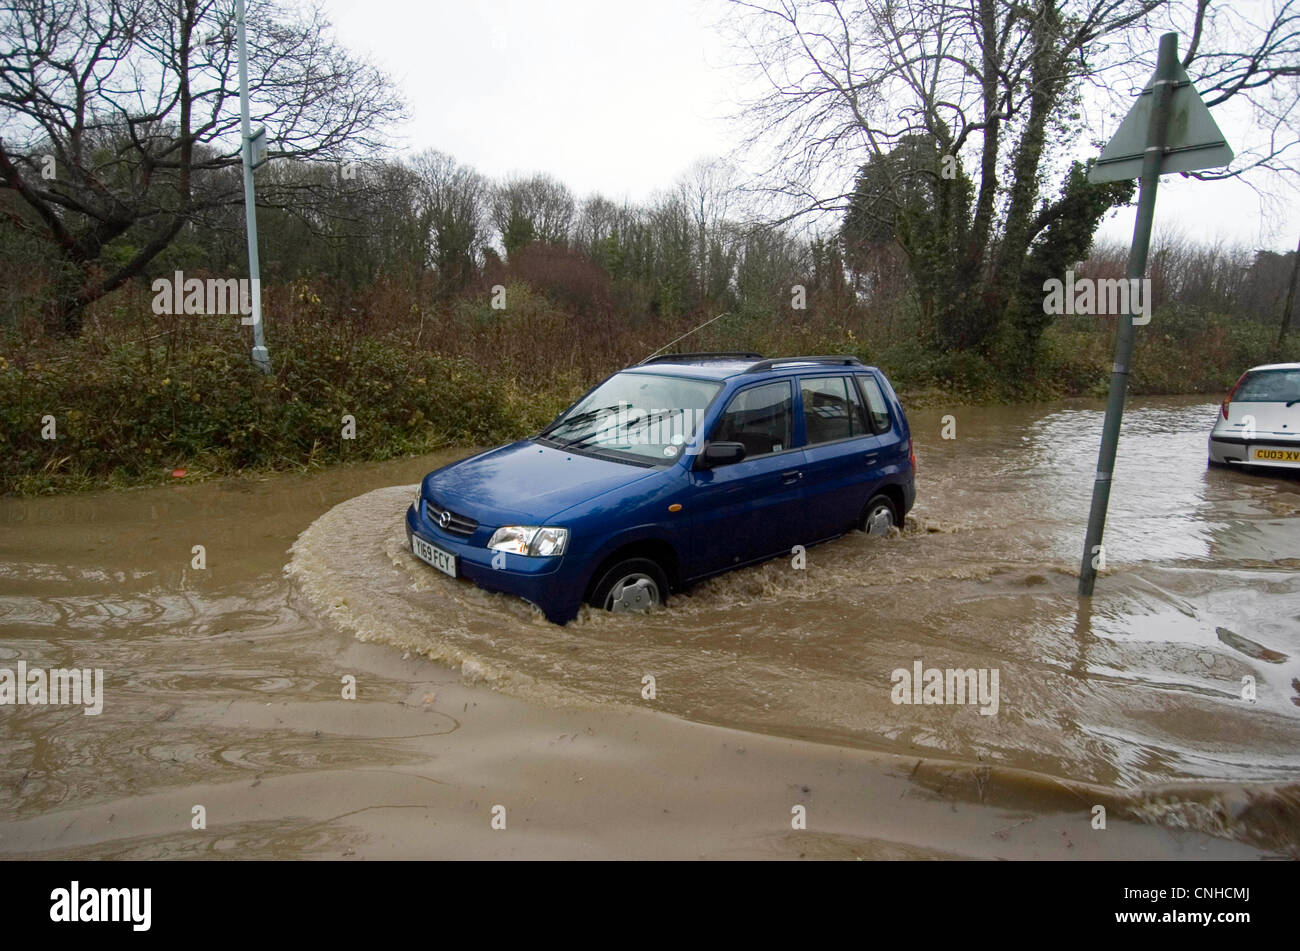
column 1138, row 692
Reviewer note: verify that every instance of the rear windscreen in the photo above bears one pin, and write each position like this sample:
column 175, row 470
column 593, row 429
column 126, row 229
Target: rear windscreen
column 1269, row 386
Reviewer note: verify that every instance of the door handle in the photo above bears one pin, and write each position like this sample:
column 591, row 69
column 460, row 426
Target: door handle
column 871, row 457
column 791, row 477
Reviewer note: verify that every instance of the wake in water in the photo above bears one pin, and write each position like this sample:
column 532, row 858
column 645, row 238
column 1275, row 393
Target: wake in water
column 1140, row 693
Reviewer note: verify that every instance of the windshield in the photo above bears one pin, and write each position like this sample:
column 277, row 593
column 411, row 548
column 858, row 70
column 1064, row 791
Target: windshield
column 644, row 415
column 1269, row 386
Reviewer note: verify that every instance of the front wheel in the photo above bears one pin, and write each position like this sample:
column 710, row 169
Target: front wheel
column 634, row 585
column 879, row 516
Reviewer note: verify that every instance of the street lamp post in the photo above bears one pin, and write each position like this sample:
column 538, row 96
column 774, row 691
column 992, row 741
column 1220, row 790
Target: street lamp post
column 261, row 357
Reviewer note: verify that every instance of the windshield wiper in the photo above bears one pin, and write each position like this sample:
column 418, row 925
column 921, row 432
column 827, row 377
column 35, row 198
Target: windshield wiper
column 637, row 423
column 580, row 418
column 652, row 418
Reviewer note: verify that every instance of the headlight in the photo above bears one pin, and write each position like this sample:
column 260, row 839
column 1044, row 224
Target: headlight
column 419, row 494
column 542, row 541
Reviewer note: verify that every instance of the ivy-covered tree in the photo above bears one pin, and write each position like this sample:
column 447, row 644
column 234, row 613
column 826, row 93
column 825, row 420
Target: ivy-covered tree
column 875, row 95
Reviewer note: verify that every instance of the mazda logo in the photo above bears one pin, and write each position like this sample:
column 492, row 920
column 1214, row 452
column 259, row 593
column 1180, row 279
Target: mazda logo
column 444, row 518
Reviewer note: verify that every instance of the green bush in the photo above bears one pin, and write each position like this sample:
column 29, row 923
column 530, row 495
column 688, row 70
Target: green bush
column 123, row 417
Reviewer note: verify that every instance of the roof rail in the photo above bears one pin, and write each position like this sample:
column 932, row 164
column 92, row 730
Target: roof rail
column 781, row 361
column 722, row 355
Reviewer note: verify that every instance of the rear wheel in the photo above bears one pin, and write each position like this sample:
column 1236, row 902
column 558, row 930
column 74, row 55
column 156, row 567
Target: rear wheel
column 633, row 585
column 879, row 516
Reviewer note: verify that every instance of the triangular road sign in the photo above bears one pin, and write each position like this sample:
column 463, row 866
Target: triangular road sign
column 1194, row 140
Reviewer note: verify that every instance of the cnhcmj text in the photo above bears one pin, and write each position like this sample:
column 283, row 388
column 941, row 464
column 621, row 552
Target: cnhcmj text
column 1218, row 892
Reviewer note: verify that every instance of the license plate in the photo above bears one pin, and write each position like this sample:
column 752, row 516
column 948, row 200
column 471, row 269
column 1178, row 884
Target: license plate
column 1277, row 455
column 444, row 561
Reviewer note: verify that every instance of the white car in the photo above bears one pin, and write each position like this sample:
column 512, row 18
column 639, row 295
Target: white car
column 1259, row 421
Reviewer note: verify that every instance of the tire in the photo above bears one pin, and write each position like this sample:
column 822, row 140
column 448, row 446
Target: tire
column 879, row 515
column 631, row 585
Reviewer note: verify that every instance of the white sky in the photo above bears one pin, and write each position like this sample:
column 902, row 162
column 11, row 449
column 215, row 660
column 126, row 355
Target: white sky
column 621, row 96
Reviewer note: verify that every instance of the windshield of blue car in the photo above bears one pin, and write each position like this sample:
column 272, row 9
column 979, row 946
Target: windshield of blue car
column 646, row 416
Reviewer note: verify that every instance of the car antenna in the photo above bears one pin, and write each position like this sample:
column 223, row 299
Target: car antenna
column 687, row 334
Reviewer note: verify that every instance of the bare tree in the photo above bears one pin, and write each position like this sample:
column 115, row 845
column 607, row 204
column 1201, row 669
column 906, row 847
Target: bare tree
column 1245, row 56
column 598, row 220
column 707, row 192
column 452, row 210
column 118, row 117
column 539, row 208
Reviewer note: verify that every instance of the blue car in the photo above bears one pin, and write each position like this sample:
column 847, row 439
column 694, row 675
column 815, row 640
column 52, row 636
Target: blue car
column 668, row 472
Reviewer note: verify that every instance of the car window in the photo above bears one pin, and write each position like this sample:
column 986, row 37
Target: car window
column 759, row 418
column 832, row 409
column 1269, row 386
column 877, row 408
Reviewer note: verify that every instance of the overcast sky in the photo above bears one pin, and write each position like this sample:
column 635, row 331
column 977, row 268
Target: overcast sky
column 621, row 96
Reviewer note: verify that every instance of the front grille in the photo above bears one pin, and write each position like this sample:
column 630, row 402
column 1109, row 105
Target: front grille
column 453, row 524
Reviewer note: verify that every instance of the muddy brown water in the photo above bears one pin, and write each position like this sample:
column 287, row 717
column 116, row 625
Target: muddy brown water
column 234, row 670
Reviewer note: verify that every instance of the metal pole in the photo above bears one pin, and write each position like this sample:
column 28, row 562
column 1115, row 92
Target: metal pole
column 1157, row 135
column 260, row 356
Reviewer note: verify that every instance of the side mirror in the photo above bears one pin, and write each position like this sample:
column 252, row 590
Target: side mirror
column 722, row 454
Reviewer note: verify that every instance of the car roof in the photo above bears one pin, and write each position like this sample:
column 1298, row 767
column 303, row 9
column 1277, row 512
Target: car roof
column 1275, row 366
column 706, row 367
